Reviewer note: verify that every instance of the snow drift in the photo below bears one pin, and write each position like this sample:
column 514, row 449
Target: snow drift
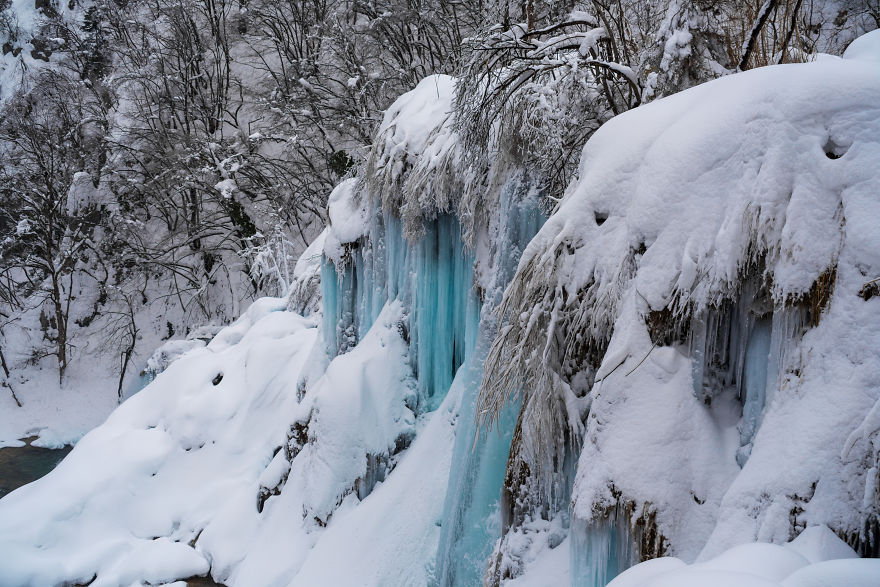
column 816, row 557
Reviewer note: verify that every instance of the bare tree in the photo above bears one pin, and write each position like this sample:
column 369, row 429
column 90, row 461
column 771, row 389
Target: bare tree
column 43, row 139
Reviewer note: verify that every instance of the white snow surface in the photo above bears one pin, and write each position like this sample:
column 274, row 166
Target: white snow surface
column 178, row 458
column 865, row 48
column 57, row 414
column 674, row 201
column 412, row 125
column 816, row 558
column 349, row 218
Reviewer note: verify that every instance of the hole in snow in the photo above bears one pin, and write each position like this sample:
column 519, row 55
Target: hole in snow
column 833, row 150
column 601, row 217
column 217, row 379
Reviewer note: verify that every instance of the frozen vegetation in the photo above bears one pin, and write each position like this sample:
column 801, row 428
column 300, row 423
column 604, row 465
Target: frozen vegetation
column 669, row 376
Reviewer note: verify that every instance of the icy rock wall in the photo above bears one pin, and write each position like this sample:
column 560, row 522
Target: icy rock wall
column 713, row 261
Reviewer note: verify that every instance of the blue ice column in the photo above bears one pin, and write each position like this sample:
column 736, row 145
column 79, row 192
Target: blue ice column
column 601, row 550
column 339, row 287
column 471, row 517
column 432, row 277
column 444, row 309
column 754, row 385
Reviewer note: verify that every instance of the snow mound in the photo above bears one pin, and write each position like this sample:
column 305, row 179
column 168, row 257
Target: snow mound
column 371, row 386
column 865, row 48
column 819, row 544
column 172, row 463
column 830, row 562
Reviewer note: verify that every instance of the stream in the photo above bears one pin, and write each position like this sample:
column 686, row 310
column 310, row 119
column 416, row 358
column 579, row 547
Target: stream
column 20, row 465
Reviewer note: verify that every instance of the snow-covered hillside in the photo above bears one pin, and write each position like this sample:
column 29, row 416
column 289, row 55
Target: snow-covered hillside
column 680, row 360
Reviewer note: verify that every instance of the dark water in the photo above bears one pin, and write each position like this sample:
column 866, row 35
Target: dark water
column 202, row 582
column 23, row 464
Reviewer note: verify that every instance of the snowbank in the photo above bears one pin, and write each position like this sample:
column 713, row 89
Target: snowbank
column 815, row 558
column 864, row 48
column 176, row 460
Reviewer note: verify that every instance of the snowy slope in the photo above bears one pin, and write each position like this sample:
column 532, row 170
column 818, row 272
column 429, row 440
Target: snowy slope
column 258, row 457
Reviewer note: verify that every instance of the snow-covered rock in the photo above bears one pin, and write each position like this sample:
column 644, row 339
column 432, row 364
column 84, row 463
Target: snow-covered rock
column 413, row 165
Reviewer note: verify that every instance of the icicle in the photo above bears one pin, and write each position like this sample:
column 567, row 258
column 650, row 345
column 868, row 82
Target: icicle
column 601, row 550
column 698, row 347
column 471, row 511
column 754, row 385
column 789, row 324
column 444, row 308
column 743, row 344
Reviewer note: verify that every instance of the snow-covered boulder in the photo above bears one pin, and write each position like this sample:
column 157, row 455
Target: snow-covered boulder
column 413, row 163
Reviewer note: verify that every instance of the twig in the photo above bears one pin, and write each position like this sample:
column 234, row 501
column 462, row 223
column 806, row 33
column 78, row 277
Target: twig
column 613, row 370
column 12, row 391
column 642, row 361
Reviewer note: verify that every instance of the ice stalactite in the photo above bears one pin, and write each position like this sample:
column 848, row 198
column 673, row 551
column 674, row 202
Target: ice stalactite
column 432, row 277
column 601, row 550
column 743, row 344
column 339, row 289
column 754, row 386
column 472, row 513
column 444, row 311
